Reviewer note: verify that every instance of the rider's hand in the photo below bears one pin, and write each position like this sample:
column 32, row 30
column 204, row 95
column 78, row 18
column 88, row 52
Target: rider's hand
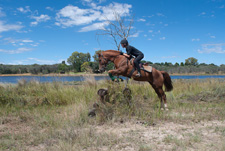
column 126, row 55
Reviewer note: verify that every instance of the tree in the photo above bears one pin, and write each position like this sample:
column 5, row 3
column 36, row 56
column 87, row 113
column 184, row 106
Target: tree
column 77, row 59
column 95, row 56
column 118, row 28
column 85, row 67
column 63, row 67
column 191, row 61
column 176, row 64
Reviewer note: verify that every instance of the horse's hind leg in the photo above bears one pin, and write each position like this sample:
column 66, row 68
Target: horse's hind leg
column 162, row 96
column 163, row 99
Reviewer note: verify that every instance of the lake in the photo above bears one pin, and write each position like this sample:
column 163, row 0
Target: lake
column 14, row 79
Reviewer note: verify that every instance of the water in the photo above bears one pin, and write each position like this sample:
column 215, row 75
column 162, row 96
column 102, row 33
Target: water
column 14, row 79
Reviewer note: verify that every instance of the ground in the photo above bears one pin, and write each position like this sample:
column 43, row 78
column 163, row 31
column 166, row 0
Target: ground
column 131, row 136
column 36, row 117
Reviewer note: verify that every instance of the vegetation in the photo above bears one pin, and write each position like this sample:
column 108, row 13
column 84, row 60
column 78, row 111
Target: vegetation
column 77, row 59
column 81, row 62
column 53, row 116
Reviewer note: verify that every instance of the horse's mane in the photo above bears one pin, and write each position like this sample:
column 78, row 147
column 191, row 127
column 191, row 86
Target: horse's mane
column 113, row 51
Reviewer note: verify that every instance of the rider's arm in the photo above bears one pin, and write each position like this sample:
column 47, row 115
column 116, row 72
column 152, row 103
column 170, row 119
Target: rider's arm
column 126, row 55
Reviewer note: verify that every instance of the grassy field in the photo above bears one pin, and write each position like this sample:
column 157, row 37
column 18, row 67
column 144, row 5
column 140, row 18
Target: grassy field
column 54, row 116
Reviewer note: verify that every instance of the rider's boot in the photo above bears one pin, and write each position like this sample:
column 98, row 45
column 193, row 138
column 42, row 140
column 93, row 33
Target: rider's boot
column 138, row 74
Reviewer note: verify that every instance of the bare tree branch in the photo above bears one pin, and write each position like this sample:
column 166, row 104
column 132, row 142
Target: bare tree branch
column 117, row 28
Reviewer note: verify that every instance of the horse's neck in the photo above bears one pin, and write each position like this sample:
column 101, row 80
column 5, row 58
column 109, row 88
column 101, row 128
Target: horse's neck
column 119, row 59
column 111, row 56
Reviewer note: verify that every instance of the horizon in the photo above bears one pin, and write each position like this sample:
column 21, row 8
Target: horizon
column 47, row 32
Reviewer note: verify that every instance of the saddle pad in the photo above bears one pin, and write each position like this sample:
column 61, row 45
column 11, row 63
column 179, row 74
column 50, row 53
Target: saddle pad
column 147, row 68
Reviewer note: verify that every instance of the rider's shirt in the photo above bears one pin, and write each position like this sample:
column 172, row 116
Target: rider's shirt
column 133, row 51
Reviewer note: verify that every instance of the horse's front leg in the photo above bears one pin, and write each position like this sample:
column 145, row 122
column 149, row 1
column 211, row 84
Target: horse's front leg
column 116, row 71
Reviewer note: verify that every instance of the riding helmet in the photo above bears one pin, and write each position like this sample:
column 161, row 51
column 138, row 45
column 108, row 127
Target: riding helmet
column 124, row 41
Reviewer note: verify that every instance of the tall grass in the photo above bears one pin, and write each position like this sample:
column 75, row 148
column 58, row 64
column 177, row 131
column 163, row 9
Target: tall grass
column 143, row 104
column 56, row 114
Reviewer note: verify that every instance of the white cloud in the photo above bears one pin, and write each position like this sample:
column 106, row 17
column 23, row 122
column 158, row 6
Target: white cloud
column 35, row 60
column 160, row 15
column 92, row 3
column 212, row 48
column 162, row 38
column 20, row 42
column 24, row 10
column 74, row 16
column 34, row 45
column 27, row 40
column 151, row 16
column 7, row 27
column 195, row 39
column 141, row 20
column 150, row 31
column 203, row 13
column 19, row 50
column 34, row 23
column 94, row 26
column 169, row 57
column 213, row 37
column 38, row 19
column 1, row 12
column 39, row 61
column 149, row 39
column 49, row 8
column 107, row 12
column 135, row 35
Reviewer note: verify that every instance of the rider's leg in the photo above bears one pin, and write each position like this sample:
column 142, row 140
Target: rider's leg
column 136, row 63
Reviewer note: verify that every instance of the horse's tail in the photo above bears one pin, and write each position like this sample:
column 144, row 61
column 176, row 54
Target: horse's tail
column 167, row 81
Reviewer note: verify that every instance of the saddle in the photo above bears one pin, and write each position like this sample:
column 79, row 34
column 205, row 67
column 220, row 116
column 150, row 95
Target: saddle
column 140, row 64
column 143, row 66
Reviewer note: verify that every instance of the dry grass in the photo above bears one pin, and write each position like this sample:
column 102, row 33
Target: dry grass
column 53, row 116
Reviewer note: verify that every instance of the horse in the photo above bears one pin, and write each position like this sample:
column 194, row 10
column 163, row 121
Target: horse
column 124, row 67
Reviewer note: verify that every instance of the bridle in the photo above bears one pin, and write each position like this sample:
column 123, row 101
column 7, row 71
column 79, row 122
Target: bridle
column 103, row 57
column 105, row 60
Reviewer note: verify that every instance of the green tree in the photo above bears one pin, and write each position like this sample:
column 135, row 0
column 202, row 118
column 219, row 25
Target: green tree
column 77, row 59
column 95, row 64
column 63, row 67
column 191, row 61
column 95, row 56
column 85, row 67
column 176, row 64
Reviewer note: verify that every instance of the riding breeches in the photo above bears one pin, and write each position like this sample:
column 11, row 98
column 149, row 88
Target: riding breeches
column 137, row 61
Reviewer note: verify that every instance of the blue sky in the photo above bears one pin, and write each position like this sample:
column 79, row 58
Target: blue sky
column 47, row 31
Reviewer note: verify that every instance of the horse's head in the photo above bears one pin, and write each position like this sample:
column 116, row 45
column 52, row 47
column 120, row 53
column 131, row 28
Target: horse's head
column 102, row 62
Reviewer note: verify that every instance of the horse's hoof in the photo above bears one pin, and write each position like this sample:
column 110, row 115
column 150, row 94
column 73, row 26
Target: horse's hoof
column 162, row 109
column 167, row 109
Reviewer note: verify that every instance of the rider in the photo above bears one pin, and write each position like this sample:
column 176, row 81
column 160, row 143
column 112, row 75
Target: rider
column 132, row 51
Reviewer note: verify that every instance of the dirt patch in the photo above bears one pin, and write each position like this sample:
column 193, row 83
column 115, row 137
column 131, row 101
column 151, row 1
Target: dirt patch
column 167, row 136
column 14, row 125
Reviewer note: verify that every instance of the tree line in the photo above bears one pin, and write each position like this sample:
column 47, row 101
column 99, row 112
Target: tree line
column 81, row 62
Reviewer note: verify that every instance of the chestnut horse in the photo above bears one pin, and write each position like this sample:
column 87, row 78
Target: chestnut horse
column 123, row 67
